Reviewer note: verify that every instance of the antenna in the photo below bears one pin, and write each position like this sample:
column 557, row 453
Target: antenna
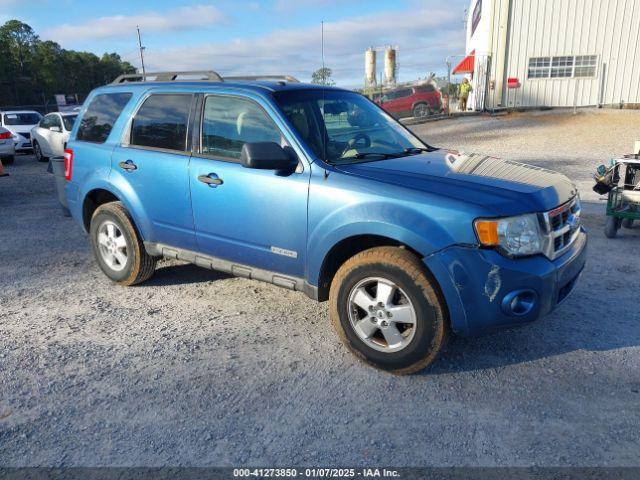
column 141, row 50
column 324, row 79
column 324, row 83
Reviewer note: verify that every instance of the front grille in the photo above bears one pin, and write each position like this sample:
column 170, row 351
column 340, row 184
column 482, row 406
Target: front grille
column 562, row 226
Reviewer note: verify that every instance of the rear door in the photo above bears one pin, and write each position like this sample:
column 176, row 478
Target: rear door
column 253, row 217
column 152, row 164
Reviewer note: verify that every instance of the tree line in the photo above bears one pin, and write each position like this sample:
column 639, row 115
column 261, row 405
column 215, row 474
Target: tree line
column 32, row 71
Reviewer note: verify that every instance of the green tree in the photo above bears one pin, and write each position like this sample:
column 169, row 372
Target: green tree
column 21, row 40
column 32, row 71
column 322, row 76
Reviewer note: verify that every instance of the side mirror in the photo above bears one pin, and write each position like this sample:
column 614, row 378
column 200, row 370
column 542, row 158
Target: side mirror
column 55, row 129
column 266, row 156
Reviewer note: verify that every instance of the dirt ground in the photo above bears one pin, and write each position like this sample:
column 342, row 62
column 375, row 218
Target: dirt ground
column 197, row 368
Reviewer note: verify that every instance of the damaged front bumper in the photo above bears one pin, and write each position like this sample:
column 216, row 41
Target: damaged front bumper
column 486, row 291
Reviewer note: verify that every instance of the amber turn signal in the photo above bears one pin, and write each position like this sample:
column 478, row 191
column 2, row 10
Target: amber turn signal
column 487, row 232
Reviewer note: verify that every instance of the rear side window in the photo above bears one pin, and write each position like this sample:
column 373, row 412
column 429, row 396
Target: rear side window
column 101, row 114
column 230, row 122
column 69, row 120
column 161, row 122
column 426, row 89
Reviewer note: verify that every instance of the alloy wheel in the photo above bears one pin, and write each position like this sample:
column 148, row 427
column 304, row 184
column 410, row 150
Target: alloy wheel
column 112, row 245
column 381, row 314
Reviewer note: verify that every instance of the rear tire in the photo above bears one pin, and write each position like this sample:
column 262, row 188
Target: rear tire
column 627, row 223
column 37, row 151
column 386, row 309
column 118, row 247
column 611, row 227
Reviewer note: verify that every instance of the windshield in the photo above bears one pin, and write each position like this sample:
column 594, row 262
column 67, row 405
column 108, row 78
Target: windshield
column 354, row 128
column 21, row 118
column 68, row 121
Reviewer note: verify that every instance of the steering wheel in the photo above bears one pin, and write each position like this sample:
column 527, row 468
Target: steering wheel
column 361, row 140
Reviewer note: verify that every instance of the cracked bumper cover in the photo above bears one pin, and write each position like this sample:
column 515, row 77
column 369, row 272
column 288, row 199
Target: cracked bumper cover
column 475, row 281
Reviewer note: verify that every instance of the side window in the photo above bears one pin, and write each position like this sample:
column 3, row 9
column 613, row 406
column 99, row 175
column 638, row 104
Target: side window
column 101, row 114
column 45, row 122
column 161, row 122
column 54, row 121
column 230, row 122
column 425, row 89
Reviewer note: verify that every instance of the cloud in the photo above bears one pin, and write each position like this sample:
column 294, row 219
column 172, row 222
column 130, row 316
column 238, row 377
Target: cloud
column 424, row 37
column 183, row 18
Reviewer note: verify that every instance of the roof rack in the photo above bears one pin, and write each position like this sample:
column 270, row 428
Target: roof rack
column 204, row 75
column 282, row 78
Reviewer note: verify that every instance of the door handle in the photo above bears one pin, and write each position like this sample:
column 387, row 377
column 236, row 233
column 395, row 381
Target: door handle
column 211, row 179
column 129, row 166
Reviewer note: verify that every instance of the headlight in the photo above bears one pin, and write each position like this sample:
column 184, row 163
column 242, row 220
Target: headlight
column 517, row 236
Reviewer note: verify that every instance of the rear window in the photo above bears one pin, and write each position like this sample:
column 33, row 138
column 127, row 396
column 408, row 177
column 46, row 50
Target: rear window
column 101, row 114
column 161, row 122
column 21, row 118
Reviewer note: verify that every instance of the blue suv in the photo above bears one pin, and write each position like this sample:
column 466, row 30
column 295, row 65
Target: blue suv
column 317, row 189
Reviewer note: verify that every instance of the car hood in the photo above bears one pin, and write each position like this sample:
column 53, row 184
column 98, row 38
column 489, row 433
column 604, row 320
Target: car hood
column 502, row 186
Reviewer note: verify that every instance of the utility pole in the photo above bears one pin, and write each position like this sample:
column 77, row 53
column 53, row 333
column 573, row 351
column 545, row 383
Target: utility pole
column 141, row 53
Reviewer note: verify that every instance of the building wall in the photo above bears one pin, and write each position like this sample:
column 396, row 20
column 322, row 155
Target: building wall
column 521, row 29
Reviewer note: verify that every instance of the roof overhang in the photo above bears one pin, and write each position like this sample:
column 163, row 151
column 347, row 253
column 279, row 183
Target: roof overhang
column 467, row 64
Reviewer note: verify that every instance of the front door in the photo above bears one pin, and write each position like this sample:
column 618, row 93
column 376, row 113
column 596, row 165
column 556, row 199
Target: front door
column 153, row 166
column 248, row 216
column 56, row 137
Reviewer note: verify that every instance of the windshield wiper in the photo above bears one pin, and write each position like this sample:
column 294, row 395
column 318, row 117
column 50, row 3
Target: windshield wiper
column 416, row 150
column 365, row 155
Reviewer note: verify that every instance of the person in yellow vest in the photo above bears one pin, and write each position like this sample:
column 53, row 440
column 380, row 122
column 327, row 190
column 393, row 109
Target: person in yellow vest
column 465, row 90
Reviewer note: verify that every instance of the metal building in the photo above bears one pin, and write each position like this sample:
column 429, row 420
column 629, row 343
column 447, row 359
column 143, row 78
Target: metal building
column 554, row 53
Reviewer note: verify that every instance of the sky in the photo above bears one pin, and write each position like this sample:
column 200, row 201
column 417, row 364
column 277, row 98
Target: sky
column 255, row 37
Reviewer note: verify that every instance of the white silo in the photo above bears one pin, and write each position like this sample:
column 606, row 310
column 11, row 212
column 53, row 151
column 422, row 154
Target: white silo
column 390, row 66
column 370, row 68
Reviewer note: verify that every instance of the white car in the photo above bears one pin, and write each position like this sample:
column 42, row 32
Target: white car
column 50, row 136
column 20, row 123
column 7, row 148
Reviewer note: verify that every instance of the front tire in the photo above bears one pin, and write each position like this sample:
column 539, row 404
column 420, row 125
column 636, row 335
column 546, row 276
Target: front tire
column 118, row 247
column 386, row 309
column 421, row 110
column 611, row 226
column 37, row 150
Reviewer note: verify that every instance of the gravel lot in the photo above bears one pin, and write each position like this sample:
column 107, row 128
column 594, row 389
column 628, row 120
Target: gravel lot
column 197, row 368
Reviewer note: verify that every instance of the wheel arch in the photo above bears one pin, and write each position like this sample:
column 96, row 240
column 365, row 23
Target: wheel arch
column 92, row 200
column 346, row 248
column 101, row 194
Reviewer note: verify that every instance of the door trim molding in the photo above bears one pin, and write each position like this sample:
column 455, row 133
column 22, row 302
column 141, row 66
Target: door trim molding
column 233, row 268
